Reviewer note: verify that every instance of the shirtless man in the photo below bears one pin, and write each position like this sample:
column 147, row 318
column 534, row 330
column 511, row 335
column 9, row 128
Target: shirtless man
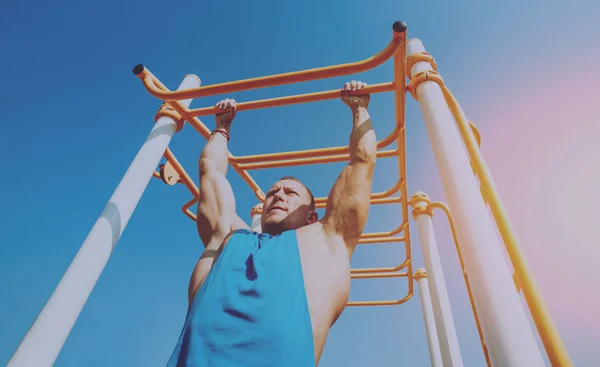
column 270, row 298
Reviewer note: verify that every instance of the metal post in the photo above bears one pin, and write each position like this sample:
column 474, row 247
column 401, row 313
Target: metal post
column 256, row 215
column 446, row 332
column 44, row 340
column 509, row 337
column 435, row 354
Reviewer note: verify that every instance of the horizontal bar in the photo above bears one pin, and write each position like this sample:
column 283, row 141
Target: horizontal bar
column 392, row 200
column 385, row 234
column 272, row 80
column 381, row 303
column 404, row 264
column 376, row 198
column 379, row 275
column 295, row 99
column 313, row 160
column 269, row 157
column 380, row 240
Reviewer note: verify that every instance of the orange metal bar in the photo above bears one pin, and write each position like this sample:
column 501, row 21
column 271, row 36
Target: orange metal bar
column 311, row 152
column 397, row 199
column 404, row 264
column 306, row 161
column 386, row 234
column 400, row 107
column 378, row 275
column 187, row 211
column 296, row 99
column 445, row 209
column 381, row 303
column 380, row 240
column 553, row 343
column 272, row 80
column 374, row 196
column 187, row 180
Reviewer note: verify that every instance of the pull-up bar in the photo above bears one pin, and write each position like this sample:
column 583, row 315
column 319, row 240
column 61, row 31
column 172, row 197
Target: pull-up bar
column 273, row 80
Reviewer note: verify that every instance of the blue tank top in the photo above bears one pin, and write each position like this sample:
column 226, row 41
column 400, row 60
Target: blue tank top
column 251, row 309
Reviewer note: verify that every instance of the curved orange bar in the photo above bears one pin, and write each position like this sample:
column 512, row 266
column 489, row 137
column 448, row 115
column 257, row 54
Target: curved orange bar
column 376, row 198
column 272, row 80
column 551, row 339
column 187, row 180
column 446, row 210
column 382, row 303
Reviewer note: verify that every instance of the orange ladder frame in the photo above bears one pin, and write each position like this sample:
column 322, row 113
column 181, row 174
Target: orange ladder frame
column 173, row 173
column 242, row 164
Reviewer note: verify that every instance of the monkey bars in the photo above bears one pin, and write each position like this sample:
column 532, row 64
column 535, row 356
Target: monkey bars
column 505, row 335
column 173, row 173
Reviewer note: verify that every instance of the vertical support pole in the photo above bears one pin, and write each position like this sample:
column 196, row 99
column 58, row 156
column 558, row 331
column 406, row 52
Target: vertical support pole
column 42, row 344
column 256, row 215
column 509, row 336
column 444, row 322
column 435, row 354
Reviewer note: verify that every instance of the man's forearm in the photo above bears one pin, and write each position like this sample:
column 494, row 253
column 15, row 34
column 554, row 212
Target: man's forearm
column 363, row 141
column 215, row 152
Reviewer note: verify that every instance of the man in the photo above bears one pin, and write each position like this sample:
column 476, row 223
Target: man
column 270, row 298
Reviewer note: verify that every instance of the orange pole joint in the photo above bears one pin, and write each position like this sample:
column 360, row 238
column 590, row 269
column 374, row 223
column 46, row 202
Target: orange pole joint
column 166, row 110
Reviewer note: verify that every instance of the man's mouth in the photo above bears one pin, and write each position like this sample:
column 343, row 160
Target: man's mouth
column 277, row 207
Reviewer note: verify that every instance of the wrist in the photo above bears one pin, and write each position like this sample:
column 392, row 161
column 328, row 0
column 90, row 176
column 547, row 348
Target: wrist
column 225, row 127
column 222, row 132
column 359, row 112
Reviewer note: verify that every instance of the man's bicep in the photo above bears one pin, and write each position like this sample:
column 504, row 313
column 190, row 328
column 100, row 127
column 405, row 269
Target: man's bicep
column 216, row 214
column 348, row 202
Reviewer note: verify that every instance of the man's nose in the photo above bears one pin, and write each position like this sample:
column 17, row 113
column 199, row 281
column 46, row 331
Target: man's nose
column 278, row 196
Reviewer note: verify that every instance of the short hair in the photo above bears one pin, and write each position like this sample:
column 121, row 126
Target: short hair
column 312, row 197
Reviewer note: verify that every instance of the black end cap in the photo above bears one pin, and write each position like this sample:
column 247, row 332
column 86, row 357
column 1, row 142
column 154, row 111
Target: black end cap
column 400, row 26
column 138, row 69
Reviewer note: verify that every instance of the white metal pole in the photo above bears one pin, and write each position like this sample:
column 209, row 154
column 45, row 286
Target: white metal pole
column 446, row 332
column 44, row 340
column 432, row 338
column 509, row 337
column 256, row 216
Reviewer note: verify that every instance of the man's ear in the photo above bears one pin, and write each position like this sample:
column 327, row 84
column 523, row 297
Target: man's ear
column 312, row 218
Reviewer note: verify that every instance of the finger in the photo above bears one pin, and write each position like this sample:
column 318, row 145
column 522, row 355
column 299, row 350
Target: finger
column 233, row 104
column 346, row 86
column 359, row 85
column 353, row 84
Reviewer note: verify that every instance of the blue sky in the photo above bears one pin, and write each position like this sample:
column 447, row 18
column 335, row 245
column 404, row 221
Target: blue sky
column 73, row 117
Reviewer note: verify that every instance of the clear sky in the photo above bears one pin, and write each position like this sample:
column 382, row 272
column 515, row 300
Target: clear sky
column 73, row 117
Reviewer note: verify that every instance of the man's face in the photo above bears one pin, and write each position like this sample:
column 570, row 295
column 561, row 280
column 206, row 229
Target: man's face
column 286, row 207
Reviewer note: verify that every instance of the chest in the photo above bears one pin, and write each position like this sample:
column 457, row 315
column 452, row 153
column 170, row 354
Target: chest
column 325, row 266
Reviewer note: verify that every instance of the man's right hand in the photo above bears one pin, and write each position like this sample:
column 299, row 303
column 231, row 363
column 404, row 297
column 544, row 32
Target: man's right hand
column 354, row 101
column 225, row 118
